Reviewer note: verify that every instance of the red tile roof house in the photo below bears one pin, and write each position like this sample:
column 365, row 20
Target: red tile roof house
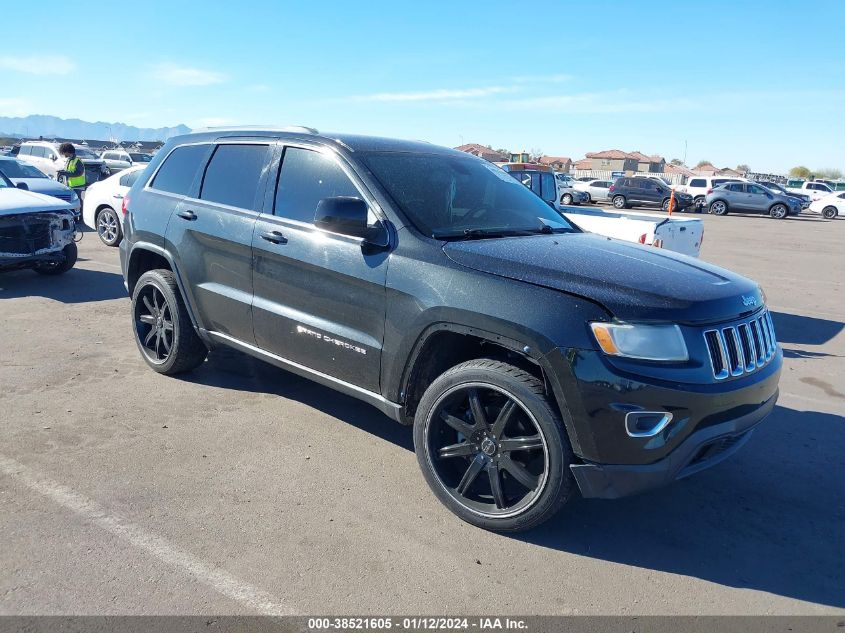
column 483, row 152
column 583, row 164
column 558, row 163
column 652, row 164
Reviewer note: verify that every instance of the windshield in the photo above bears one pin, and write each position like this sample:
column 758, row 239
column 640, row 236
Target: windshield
column 5, row 182
column 452, row 196
column 81, row 152
column 14, row 169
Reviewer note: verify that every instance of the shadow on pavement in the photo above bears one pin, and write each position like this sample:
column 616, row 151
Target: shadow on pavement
column 804, row 330
column 78, row 285
column 768, row 519
column 231, row 369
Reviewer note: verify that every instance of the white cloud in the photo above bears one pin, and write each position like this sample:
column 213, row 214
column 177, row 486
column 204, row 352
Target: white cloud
column 176, row 75
column 38, row 64
column 435, row 95
column 601, row 103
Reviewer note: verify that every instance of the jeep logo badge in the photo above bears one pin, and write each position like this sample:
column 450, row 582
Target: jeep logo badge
column 749, row 301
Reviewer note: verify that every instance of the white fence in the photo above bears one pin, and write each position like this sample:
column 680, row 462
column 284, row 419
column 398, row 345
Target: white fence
column 598, row 174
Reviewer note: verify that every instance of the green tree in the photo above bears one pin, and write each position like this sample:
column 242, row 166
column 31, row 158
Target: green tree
column 800, row 172
column 743, row 168
column 701, row 163
column 676, row 161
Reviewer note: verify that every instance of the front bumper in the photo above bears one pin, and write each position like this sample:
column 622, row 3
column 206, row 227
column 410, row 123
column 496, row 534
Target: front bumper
column 701, row 450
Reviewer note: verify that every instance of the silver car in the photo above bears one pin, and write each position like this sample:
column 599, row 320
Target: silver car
column 747, row 197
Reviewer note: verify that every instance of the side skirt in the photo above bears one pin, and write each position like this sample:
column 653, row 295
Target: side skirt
column 390, row 409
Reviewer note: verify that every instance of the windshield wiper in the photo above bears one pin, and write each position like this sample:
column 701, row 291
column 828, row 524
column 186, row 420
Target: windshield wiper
column 480, row 234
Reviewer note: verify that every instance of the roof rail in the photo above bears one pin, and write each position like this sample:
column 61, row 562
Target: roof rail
column 299, row 128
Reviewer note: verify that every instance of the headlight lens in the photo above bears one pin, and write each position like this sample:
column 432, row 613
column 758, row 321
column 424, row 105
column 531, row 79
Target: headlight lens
column 646, row 342
column 73, row 196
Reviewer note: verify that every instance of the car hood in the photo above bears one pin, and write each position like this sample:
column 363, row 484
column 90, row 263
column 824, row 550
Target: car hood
column 47, row 186
column 14, row 201
column 633, row 282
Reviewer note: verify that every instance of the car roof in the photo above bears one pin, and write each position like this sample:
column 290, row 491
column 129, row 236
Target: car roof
column 352, row 142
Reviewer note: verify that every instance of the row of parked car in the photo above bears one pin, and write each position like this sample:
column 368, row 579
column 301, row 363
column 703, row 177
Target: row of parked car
column 717, row 195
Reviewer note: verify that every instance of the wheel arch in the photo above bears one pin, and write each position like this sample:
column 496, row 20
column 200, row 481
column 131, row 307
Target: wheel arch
column 145, row 256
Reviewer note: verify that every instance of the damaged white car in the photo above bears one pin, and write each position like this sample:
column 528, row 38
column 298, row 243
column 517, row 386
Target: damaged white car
column 36, row 231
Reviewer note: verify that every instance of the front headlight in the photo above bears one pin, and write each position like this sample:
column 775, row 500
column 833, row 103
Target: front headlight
column 73, row 196
column 646, row 342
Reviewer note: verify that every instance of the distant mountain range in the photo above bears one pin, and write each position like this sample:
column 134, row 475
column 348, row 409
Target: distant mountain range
column 37, row 125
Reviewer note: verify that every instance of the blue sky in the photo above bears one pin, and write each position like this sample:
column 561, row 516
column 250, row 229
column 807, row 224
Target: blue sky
column 761, row 85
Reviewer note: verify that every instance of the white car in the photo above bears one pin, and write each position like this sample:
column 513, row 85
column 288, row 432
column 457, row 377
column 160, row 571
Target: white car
column 830, row 206
column 45, row 156
column 102, row 206
column 816, row 190
column 596, row 189
column 117, row 160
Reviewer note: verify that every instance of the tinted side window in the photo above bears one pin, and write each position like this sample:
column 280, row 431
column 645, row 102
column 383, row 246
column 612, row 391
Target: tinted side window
column 737, row 188
column 39, row 152
column 697, row 182
column 179, row 169
column 233, row 174
column 128, row 180
column 306, row 178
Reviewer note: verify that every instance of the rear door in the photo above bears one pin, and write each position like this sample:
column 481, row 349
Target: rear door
column 736, row 196
column 211, row 234
column 319, row 296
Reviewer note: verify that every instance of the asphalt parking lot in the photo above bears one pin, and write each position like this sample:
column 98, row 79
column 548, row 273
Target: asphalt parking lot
column 240, row 488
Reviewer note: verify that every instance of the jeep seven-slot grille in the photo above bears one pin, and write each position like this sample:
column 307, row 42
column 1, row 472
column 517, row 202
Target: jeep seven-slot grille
column 741, row 348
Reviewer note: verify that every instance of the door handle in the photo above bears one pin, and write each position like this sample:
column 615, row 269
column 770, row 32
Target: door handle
column 187, row 215
column 118, row 196
column 275, row 237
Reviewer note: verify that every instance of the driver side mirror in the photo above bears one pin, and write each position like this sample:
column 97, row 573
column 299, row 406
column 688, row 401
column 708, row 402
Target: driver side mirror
column 54, row 158
column 22, row 185
column 344, row 215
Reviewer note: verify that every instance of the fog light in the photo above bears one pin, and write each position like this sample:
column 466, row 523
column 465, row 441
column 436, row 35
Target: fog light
column 646, row 423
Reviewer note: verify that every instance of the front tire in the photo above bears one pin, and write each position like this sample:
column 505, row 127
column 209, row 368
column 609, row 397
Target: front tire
column 492, row 448
column 830, row 212
column 108, row 226
column 619, row 202
column 778, row 211
column 163, row 330
column 57, row 268
column 566, row 199
column 719, row 207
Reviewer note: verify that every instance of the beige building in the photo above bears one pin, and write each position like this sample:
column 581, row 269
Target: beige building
column 558, row 163
column 612, row 160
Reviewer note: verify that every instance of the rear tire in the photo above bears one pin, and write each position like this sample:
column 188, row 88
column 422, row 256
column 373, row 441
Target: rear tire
column 719, row 207
column 57, row 268
column 108, row 226
column 566, row 199
column 163, row 330
column 491, row 446
column 830, row 212
column 589, row 199
column 619, row 202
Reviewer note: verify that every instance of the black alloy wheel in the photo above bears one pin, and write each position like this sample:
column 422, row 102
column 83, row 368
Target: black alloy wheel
column 154, row 324
column 830, row 212
column 491, row 447
column 164, row 332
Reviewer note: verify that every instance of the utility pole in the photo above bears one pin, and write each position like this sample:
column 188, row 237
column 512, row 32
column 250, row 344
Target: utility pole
column 685, row 153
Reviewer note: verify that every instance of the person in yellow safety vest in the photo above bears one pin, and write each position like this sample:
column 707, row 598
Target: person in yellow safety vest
column 74, row 170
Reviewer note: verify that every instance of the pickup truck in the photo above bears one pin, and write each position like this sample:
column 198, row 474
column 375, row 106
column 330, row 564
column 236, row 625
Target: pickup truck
column 682, row 235
column 816, row 190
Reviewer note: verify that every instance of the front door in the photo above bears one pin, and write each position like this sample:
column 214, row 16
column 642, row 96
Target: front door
column 212, row 235
column 319, row 297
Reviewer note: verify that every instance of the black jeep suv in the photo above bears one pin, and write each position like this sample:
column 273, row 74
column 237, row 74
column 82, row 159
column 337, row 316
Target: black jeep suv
column 643, row 190
column 530, row 357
